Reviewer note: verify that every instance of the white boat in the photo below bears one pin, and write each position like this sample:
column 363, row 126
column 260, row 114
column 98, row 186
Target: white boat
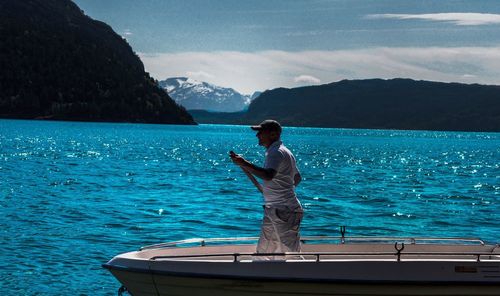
column 325, row 266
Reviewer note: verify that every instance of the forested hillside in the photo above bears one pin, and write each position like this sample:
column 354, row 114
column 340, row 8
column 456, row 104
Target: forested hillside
column 57, row 63
column 375, row 103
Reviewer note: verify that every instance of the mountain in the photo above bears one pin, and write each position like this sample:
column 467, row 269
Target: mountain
column 197, row 95
column 375, row 104
column 57, row 63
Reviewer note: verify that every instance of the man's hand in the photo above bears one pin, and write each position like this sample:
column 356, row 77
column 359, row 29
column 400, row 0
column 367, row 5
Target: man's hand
column 265, row 174
column 237, row 159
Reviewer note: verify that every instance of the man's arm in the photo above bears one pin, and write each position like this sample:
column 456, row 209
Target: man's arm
column 264, row 174
column 296, row 179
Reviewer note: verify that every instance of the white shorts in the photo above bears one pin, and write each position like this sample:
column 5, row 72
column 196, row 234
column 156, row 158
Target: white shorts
column 280, row 230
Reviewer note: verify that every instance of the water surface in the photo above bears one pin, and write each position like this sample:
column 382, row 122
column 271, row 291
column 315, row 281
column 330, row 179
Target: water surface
column 73, row 195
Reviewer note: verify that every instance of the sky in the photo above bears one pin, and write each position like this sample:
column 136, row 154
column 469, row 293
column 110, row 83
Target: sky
column 258, row 45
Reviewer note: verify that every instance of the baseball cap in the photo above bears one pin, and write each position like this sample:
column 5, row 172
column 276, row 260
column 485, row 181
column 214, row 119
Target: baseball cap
column 267, row 125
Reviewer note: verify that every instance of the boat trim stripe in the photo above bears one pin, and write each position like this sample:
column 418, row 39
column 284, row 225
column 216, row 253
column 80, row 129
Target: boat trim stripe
column 254, row 278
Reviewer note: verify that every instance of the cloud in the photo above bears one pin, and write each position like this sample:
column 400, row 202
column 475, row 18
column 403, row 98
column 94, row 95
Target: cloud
column 303, row 33
column 200, row 75
column 460, row 19
column 251, row 71
column 126, row 34
column 307, row 79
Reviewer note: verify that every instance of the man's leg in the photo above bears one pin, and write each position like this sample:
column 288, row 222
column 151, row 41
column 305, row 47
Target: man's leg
column 268, row 239
column 288, row 228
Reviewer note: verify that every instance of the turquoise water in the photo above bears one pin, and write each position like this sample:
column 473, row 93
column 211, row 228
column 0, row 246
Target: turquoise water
column 73, row 195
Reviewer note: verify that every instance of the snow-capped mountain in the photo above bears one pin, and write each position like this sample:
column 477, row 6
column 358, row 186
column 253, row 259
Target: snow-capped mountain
column 193, row 94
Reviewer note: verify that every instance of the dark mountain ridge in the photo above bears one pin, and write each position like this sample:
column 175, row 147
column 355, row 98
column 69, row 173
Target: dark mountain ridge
column 377, row 104
column 58, row 63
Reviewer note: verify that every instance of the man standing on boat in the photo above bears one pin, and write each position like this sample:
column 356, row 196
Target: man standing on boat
column 282, row 210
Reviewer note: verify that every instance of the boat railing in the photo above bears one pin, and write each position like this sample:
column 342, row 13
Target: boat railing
column 309, row 239
column 317, row 256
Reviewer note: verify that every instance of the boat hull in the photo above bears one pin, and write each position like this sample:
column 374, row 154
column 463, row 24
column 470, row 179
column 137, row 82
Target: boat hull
column 319, row 269
column 144, row 284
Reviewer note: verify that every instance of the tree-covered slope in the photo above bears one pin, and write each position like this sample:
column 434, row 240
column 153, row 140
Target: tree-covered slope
column 57, row 63
column 377, row 103
column 385, row 104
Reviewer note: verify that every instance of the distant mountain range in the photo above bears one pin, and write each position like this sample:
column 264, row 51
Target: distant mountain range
column 375, row 104
column 57, row 63
column 198, row 95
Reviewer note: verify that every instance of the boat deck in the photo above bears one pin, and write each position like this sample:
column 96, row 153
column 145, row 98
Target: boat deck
column 474, row 250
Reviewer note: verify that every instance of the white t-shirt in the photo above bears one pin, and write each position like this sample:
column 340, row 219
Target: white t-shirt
column 280, row 190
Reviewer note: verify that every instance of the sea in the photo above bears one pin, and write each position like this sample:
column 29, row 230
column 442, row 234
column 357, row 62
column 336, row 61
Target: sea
column 75, row 194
